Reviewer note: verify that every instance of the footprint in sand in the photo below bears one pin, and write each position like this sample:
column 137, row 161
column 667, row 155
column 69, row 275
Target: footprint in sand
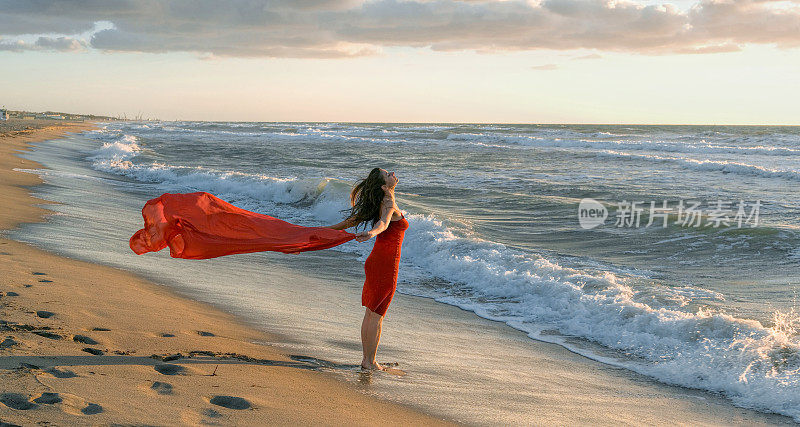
column 58, row 373
column 76, row 405
column 45, row 314
column 92, row 409
column 16, row 401
column 48, row 398
column 169, row 369
column 83, row 339
column 230, row 402
column 7, row 343
column 206, row 416
column 161, row 387
column 210, row 413
column 50, row 335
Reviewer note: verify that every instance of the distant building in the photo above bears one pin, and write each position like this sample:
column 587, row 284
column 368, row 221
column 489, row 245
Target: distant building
column 47, row 116
column 3, row 114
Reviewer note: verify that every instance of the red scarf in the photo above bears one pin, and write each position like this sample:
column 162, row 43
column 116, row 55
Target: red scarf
column 201, row 225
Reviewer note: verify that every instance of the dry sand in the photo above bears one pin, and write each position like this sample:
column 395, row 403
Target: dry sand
column 87, row 344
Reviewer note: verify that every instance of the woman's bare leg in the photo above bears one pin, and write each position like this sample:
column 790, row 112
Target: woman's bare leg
column 370, row 337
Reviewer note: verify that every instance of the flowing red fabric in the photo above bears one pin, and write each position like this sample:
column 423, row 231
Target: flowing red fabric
column 201, row 225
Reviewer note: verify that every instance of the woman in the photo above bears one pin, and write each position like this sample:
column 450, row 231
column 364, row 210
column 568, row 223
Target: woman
column 372, row 199
column 200, row 225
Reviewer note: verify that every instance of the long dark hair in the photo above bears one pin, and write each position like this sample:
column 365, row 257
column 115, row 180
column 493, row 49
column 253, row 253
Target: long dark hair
column 366, row 198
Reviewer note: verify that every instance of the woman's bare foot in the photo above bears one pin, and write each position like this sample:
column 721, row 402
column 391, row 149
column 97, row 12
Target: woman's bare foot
column 374, row 366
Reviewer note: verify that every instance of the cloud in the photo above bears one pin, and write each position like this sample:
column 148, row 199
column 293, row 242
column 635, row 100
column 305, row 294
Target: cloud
column 721, row 48
column 351, row 28
column 591, row 56
column 545, row 67
column 12, row 24
column 62, row 44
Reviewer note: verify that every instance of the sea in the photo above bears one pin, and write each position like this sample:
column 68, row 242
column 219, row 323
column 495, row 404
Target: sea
column 669, row 251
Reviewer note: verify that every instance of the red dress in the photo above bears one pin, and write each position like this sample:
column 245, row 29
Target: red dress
column 381, row 267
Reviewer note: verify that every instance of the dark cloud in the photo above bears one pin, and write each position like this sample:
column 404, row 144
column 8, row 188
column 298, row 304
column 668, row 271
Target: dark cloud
column 14, row 24
column 346, row 28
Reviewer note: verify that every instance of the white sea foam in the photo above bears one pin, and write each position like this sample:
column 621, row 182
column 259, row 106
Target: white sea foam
column 754, row 365
column 124, row 148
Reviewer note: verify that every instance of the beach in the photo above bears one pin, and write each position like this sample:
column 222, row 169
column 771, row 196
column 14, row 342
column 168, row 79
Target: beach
column 600, row 213
column 165, row 359
column 161, row 359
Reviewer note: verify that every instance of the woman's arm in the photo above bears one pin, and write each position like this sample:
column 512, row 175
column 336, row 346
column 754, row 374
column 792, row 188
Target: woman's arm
column 347, row 223
column 387, row 209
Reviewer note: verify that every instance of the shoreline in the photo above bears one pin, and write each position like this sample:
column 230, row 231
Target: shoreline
column 86, row 343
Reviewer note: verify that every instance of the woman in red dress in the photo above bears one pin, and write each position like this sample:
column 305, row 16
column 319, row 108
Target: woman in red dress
column 372, row 199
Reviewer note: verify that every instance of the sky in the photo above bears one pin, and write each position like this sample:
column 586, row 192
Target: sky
column 549, row 61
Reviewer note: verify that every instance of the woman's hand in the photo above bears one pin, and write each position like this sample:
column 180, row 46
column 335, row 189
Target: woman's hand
column 364, row 236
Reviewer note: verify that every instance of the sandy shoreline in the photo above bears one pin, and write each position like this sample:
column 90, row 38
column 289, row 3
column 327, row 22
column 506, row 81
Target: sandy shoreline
column 57, row 312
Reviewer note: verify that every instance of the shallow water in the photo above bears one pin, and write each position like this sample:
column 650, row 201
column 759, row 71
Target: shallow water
column 493, row 230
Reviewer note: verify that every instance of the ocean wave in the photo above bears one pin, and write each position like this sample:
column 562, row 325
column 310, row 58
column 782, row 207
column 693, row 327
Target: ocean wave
column 756, row 366
column 641, row 145
column 255, row 192
column 121, row 149
column 293, row 133
column 707, row 142
column 710, row 165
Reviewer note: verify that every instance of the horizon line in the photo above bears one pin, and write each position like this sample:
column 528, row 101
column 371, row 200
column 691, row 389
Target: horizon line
column 464, row 123
column 416, row 122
